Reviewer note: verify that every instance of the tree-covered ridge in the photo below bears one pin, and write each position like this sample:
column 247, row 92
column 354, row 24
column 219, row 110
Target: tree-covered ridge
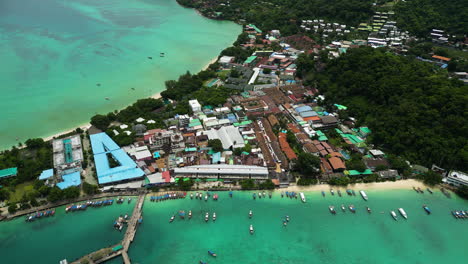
column 413, row 110
column 285, row 15
column 419, row 17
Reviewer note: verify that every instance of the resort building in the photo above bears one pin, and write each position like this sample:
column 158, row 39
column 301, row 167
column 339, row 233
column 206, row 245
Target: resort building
column 195, row 105
column 113, row 165
column 222, row 171
column 229, row 135
column 456, row 178
column 68, row 154
column 7, row 173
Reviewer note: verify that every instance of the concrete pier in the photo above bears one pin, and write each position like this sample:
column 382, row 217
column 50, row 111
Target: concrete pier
column 132, row 226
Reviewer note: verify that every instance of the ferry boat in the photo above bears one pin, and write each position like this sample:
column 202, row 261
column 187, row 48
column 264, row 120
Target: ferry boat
column 352, row 208
column 403, row 213
column 429, row 191
column 368, row 209
column 190, row 214
column 211, row 253
column 348, row 191
column 207, row 217
column 354, row 194
column 214, row 217
column 364, row 195
column 250, row 214
column 323, row 193
column 393, row 214
column 428, row 211
column 172, row 219
column 332, row 192
column 343, row 208
column 253, row 195
column 251, row 229
column 339, row 193
column 302, row 197
column 332, row 209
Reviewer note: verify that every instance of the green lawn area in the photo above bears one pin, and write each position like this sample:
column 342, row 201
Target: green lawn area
column 223, row 74
column 20, row 190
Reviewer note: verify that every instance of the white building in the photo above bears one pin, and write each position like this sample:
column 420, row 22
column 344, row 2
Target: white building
column 223, row 171
column 195, row 105
column 456, row 178
column 229, row 136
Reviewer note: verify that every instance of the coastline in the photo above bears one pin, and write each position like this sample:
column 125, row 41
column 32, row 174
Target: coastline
column 397, row 185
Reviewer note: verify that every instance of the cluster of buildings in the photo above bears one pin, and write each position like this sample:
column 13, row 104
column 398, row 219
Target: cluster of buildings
column 323, row 28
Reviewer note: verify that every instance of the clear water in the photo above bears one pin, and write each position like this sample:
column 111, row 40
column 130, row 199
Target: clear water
column 54, row 53
column 312, row 236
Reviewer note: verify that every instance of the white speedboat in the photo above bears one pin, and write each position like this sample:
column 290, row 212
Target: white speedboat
column 259, row 195
column 393, row 214
column 207, row 217
column 343, row 208
column 364, row 195
column 214, row 216
column 191, row 196
column 190, row 214
column 250, row 214
column 172, row 219
column 403, row 213
column 251, row 229
column 302, row 197
column 206, row 197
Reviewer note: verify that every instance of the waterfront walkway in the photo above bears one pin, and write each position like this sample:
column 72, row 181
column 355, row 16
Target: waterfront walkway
column 132, row 226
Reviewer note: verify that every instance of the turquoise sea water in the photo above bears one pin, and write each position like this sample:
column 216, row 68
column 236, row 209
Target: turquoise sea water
column 312, row 236
column 53, row 54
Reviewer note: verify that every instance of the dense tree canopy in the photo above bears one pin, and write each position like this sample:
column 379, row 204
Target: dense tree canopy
column 419, row 17
column 412, row 109
column 307, row 164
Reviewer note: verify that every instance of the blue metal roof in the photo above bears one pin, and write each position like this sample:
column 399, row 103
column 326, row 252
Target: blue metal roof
column 303, row 108
column 216, row 157
column 102, row 145
column 46, row 174
column 308, row 113
column 69, row 180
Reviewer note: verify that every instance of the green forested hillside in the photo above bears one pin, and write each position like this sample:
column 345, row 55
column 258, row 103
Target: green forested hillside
column 419, row 17
column 413, row 110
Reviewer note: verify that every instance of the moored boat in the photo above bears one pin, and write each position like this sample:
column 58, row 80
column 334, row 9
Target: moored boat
column 251, row 229
column 364, row 195
column 182, row 214
column 207, row 217
column 420, row 190
column 190, row 214
column 214, row 217
column 445, row 192
column 426, row 208
column 269, row 195
column 250, row 214
column 259, row 195
column 191, row 196
column 332, row 192
column 429, row 191
column 215, row 197
column 282, row 194
column 206, row 197
column 368, row 209
column 302, row 197
column 393, row 214
column 354, row 194
column 287, row 218
column 352, row 208
column 172, row 219
column 230, row 194
column 403, row 213
column 203, row 262
column 339, row 193
column 254, row 195
column 323, row 193
column 343, row 208
column 332, row 209
column 348, row 191
column 211, row 253
column 416, row 190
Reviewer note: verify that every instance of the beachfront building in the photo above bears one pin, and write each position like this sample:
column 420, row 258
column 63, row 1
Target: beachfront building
column 456, row 178
column 113, row 165
column 68, row 154
column 222, row 171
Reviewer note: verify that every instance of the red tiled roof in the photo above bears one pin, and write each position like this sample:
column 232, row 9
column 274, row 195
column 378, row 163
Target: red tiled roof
column 336, row 163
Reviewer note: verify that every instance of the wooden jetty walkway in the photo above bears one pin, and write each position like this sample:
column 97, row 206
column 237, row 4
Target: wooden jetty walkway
column 132, row 226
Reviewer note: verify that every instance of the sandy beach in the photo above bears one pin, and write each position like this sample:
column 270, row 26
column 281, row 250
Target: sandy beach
column 397, row 185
